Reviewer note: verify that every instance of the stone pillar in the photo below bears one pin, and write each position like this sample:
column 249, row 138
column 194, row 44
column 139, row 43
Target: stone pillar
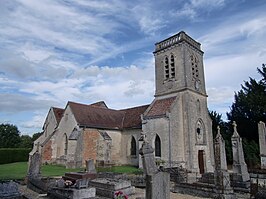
column 221, row 175
column 262, row 141
column 157, row 183
column 239, row 165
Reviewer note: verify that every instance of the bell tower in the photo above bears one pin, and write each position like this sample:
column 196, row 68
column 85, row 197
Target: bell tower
column 179, row 65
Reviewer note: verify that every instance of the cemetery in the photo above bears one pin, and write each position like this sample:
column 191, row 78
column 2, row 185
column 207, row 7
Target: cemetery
column 170, row 141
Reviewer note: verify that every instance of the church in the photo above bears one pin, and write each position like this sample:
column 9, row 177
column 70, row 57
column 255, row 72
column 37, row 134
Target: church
column 177, row 123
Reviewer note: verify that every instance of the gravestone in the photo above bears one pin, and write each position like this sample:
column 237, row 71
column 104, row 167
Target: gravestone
column 90, row 167
column 157, row 183
column 262, row 141
column 9, row 190
column 241, row 175
column 221, row 175
column 35, row 164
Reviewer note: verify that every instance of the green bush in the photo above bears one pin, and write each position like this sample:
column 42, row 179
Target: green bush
column 9, row 155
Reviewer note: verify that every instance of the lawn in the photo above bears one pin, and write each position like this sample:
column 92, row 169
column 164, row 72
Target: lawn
column 18, row 170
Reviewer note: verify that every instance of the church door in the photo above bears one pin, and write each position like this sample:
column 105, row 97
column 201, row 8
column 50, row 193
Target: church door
column 201, row 161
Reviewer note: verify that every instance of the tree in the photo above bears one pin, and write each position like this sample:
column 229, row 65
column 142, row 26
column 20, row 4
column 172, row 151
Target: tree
column 249, row 106
column 25, row 141
column 9, row 136
column 35, row 136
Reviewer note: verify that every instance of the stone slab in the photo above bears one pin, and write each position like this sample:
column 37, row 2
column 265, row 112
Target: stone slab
column 71, row 193
column 111, row 193
column 111, row 184
column 81, row 175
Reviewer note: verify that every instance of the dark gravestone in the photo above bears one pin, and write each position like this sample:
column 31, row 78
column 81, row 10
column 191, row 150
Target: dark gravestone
column 157, row 183
column 35, row 163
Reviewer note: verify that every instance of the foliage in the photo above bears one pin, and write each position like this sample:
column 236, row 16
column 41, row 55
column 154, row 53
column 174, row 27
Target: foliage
column 9, row 136
column 8, row 155
column 35, row 136
column 251, row 152
column 249, row 106
column 25, row 141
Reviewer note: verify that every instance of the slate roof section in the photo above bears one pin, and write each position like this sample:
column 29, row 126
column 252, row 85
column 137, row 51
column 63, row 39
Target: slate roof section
column 96, row 117
column 160, row 107
column 132, row 117
column 58, row 112
column 105, row 118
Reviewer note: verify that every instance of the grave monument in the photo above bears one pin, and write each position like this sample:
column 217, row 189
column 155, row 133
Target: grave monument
column 221, row 175
column 262, row 141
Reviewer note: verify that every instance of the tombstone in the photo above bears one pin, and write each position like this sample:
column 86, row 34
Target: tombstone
column 157, row 183
column 35, row 163
column 9, row 190
column 262, row 141
column 90, row 167
column 221, row 175
column 241, row 175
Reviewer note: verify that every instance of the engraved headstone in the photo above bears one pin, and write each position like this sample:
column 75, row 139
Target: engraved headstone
column 157, row 183
column 239, row 165
column 262, row 141
column 221, row 175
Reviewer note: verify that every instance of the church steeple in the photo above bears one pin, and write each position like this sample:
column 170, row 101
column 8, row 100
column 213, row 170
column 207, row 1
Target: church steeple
column 179, row 65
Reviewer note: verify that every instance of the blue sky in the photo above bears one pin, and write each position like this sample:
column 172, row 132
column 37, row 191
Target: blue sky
column 54, row 51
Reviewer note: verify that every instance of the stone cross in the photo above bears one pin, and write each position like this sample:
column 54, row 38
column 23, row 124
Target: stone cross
column 221, row 175
column 239, row 164
column 262, row 141
column 148, row 160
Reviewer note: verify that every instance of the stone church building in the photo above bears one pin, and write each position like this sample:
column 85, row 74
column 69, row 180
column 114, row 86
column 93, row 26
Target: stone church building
column 176, row 123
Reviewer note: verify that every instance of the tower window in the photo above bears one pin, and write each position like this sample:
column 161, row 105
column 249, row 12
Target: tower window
column 166, row 68
column 157, row 146
column 66, row 145
column 194, row 66
column 172, row 64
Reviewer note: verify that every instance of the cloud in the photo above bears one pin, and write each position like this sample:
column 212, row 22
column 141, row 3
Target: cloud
column 193, row 8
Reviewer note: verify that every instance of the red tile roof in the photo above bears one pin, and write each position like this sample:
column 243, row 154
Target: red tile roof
column 160, row 107
column 103, row 117
column 132, row 117
column 58, row 112
column 100, row 104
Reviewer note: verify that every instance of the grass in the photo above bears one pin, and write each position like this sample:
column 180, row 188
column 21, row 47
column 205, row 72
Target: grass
column 18, row 170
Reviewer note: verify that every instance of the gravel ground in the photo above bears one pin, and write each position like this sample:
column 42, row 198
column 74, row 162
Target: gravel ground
column 139, row 193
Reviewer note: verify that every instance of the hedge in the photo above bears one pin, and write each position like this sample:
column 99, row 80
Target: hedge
column 9, row 155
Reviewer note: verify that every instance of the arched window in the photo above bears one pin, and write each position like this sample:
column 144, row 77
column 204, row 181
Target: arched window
column 66, row 144
column 133, row 149
column 172, row 66
column 157, row 146
column 166, row 68
column 200, row 132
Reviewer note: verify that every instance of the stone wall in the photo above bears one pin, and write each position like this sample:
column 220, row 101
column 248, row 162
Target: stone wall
column 90, row 138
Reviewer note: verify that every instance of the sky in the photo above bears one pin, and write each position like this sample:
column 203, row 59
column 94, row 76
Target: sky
column 55, row 51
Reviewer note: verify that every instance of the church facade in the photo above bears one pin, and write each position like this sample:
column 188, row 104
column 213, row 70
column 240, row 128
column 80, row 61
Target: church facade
column 176, row 123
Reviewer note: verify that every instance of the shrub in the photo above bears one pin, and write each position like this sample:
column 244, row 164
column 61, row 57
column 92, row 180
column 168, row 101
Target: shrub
column 9, row 155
